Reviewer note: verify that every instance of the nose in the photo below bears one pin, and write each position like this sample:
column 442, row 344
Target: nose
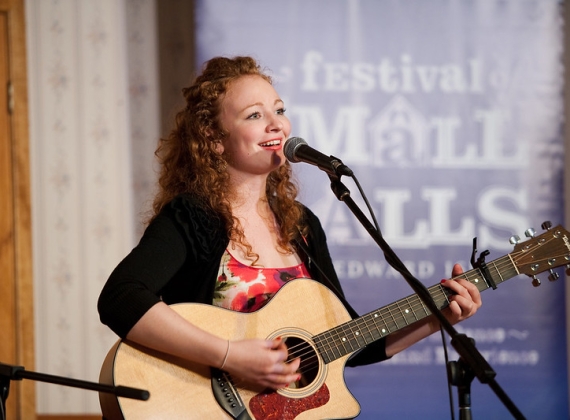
column 275, row 124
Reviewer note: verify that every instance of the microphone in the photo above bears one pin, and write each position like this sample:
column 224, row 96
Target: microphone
column 297, row 150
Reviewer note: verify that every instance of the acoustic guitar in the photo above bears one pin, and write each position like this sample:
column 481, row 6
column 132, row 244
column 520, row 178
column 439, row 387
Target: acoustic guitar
column 317, row 328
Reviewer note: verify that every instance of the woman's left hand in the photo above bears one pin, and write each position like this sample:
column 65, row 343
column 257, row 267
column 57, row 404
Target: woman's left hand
column 466, row 300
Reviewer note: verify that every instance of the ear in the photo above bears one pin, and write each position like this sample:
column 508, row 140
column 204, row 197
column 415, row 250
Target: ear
column 219, row 147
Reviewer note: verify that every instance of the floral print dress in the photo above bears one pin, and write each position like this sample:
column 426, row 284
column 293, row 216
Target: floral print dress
column 244, row 288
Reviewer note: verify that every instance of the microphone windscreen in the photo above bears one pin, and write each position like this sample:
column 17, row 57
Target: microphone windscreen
column 290, row 146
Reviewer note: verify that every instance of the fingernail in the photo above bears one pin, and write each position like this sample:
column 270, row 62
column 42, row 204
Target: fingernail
column 444, row 280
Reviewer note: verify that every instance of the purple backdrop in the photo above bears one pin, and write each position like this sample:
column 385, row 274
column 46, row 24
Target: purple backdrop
column 450, row 114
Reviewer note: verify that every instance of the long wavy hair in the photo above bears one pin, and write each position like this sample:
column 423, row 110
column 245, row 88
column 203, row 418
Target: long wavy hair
column 190, row 162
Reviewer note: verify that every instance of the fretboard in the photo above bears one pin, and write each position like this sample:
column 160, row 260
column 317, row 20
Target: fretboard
column 357, row 333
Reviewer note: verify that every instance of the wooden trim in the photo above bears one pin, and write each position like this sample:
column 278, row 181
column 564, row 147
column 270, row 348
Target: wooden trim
column 68, row 417
column 7, row 269
column 22, row 398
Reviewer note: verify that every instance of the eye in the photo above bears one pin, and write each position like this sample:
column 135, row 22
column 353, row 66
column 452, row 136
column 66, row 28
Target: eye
column 281, row 111
column 253, row 116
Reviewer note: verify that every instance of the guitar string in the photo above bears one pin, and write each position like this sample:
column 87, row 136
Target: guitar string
column 393, row 311
column 303, row 349
column 309, row 356
column 333, row 335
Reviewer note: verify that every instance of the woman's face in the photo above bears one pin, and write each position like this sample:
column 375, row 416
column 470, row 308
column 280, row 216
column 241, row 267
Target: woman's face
column 254, row 116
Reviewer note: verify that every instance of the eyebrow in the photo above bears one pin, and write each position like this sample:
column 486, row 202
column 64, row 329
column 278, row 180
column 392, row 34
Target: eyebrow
column 260, row 104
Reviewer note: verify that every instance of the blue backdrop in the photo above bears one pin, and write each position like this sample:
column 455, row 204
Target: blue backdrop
column 450, row 114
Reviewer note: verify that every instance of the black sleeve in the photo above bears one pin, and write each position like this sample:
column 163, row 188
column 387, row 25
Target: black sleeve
column 133, row 286
column 174, row 261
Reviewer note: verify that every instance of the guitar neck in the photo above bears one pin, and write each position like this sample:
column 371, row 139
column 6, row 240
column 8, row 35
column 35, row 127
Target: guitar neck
column 357, row 333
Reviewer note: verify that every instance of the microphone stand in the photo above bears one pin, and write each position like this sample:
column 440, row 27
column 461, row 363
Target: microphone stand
column 462, row 344
column 12, row 372
column 461, row 375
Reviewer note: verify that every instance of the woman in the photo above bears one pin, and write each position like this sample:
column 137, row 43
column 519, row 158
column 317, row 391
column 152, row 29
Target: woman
column 228, row 231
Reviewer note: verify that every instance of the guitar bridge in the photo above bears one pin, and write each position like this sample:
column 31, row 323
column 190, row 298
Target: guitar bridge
column 227, row 395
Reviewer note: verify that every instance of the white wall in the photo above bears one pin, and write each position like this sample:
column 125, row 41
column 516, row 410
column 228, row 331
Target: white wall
column 94, row 124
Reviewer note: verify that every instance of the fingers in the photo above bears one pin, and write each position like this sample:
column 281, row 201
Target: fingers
column 463, row 287
column 271, row 367
column 287, row 376
column 466, row 300
column 279, row 372
column 279, row 350
column 457, row 270
column 282, row 365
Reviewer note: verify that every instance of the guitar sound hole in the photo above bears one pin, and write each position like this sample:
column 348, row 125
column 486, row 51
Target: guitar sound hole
column 309, row 367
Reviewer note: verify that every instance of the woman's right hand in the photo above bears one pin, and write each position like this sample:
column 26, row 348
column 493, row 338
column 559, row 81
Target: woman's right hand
column 262, row 362
column 259, row 362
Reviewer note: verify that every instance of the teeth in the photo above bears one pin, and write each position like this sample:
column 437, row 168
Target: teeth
column 271, row 143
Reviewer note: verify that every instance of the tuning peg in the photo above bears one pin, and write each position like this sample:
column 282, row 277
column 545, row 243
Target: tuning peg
column 546, row 225
column 515, row 239
column 535, row 281
column 553, row 276
column 530, row 232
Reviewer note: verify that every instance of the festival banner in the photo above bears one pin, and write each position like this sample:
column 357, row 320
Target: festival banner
column 450, row 115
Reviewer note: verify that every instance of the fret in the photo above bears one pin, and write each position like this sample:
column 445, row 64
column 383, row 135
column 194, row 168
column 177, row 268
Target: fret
column 368, row 335
column 440, row 296
column 379, row 323
column 393, row 323
column 425, row 310
column 346, row 338
column 511, row 270
column 500, row 270
column 357, row 333
column 407, row 312
column 326, row 344
column 362, row 333
column 341, row 340
column 494, row 267
column 420, row 311
column 475, row 277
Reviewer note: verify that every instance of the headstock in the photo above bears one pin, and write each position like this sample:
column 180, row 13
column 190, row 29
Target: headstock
column 544, row 252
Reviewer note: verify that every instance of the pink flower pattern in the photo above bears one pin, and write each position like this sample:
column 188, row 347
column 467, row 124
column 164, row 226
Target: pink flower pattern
column 244, row 288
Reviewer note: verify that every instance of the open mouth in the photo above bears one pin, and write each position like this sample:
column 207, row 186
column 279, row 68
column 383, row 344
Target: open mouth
column 271, row 143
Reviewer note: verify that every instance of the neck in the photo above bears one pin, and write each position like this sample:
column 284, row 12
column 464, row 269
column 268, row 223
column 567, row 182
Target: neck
column 248, row 192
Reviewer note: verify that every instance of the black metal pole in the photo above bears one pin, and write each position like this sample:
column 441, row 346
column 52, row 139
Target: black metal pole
column 9, row 373
column 462, row 344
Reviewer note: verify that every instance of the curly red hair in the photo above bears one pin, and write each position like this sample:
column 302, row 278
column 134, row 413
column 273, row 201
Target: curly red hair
column 190, row 162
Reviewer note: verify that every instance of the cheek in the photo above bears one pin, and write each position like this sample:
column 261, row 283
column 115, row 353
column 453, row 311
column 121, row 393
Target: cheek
column 287, row 127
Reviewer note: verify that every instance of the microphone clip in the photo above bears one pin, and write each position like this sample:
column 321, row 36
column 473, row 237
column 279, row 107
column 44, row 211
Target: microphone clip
column 339, row 168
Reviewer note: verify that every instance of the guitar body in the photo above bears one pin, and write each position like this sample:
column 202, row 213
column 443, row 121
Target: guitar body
column 183, row 390
column 317, row 328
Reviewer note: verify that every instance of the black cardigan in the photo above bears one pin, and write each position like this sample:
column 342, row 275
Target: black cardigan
column 178, row 258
